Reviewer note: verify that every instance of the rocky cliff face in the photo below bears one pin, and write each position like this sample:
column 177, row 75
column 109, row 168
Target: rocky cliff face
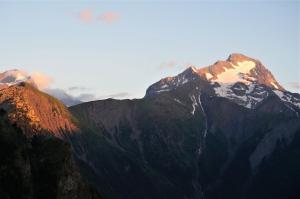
column 35, row 112
column 172, row 146
column 35, row 161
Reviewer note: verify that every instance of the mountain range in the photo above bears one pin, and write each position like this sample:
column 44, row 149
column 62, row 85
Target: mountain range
column 229, row 130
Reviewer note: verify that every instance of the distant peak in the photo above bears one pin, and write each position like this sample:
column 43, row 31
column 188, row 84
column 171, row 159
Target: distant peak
column 15, row 76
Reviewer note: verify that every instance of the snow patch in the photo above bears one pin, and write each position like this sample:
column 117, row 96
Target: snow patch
column 194, row 69
column 204, row 113
column 223, row 90
column 208, row 76
column 280, row 94
column 164, row 86
column 287, row 98
column 275, row 86
column 162, row 90
column 194, row 104
column 233, row 75
column 252, row 96
column 178, row 101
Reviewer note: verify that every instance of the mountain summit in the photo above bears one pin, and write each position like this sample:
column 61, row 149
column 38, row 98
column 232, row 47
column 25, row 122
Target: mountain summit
column 242, row 79
column 240, row 68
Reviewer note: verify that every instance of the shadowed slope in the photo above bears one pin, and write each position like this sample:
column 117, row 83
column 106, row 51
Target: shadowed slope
column 35, row 161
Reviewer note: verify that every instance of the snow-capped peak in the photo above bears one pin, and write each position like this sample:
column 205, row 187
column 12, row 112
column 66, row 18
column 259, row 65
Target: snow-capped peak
column 239, row 68
column 241, row 79
column 13, row 77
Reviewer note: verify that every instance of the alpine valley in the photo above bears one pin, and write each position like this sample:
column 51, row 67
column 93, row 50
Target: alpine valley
column 226, row 131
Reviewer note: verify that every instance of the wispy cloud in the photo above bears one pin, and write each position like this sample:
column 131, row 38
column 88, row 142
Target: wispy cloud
column 109, row 17
column 85, row 97
column 294, row 85
column 83, row 94
column 86, row 16
column 89, row 96
column 77, row 88
column 117, row 95
column 69, row 99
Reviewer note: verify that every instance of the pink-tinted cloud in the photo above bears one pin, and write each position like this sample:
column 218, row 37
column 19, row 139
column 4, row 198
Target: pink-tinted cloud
column 294, row 85
column 109, row 17
column 168, row 65
column 86, row 16
column 41, row 80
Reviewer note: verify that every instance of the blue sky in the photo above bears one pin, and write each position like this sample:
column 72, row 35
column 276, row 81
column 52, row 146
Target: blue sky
column 119, row 48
